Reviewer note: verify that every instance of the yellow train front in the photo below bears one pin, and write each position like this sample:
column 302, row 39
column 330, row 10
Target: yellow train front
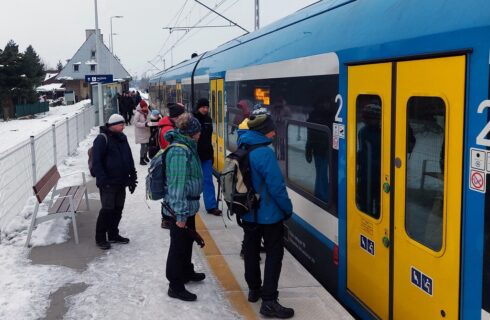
column 383, row 138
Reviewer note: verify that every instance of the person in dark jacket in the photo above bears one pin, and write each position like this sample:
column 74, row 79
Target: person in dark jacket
column 114, row 170
column 205, row 150
column 267, row 222
column 184, row 183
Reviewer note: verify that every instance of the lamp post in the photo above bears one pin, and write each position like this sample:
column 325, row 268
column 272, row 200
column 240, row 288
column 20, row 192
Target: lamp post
column 97, row 66
column 112, row 41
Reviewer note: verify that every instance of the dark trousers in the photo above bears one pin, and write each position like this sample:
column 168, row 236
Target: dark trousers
column 112, row 200
column 274, row 251
column 179, row 265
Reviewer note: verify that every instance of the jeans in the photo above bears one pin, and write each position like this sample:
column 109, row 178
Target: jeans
column 179, row 265
column 209, row 194
column 112, row 200
column 144, row 150
column 274, row 252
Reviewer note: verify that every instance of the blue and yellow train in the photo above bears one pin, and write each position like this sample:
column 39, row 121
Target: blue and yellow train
column 382, row 111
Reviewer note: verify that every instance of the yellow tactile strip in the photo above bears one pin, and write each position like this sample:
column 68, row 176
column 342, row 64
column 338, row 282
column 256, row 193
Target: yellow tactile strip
column 223, row 273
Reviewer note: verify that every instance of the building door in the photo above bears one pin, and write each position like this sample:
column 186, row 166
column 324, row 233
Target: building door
column 404, row 187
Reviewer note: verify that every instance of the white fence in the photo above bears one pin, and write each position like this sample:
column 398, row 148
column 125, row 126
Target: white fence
column 25, row 164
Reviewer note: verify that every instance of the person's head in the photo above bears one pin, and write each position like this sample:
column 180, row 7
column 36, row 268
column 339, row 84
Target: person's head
column 262, row 123
column 175, row 110
column 189, row 126
column 203, row 106
column 115, row 123
column 143, row 105
column 155, row 115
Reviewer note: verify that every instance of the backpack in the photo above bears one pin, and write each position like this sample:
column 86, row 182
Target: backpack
column 90, row 159
column 153, row 142
column 236, row 183
column 156, row 180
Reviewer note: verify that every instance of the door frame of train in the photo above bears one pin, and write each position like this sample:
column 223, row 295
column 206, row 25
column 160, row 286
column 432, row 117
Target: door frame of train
column 455, row 187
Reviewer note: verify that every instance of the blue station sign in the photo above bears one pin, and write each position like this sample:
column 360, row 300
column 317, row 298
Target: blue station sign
column 101, row 78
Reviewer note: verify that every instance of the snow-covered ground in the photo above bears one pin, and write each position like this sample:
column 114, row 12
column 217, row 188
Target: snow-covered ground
column 127, row 282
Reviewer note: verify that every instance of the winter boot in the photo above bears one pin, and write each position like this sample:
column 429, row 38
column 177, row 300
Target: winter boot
column 196, row 277
column 146, row 159
column 183, row 295
column 104, row 245
column 118, row 239
column 272, row 308
column 253, row 295
column 142, row 162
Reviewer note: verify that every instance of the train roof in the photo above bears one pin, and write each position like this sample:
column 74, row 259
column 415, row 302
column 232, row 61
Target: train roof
column 346, row 26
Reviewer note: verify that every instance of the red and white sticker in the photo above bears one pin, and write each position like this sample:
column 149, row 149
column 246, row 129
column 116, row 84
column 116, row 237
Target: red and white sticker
column 478, row 181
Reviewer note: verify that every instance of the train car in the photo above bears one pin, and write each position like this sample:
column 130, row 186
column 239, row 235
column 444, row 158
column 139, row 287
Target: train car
column 383, row 139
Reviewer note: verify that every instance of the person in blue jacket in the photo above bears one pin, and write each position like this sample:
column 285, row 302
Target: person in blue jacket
column 114, row 170
column 267, row 223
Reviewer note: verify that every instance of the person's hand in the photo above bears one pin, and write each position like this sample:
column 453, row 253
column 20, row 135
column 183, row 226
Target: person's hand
column 180, row 224
column 309, row 155
column 132, row 186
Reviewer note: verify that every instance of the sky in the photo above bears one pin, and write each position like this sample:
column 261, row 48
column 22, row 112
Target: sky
column 56, row 28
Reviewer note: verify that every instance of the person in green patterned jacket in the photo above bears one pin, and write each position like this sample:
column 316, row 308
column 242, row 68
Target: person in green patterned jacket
column 185, row 184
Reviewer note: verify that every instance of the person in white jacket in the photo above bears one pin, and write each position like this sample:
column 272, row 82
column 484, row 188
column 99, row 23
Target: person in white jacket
column 142, row 130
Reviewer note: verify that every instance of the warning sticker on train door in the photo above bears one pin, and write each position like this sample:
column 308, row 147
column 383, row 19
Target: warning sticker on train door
column 478, row 159
column 367, row 245
column 478, row 180
column 421, row 281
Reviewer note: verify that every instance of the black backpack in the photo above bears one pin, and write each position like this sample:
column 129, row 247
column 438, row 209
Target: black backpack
column 236, row 186
column 90, row 159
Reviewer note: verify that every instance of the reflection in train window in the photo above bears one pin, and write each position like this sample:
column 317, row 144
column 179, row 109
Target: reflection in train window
column 309, row 159
column 368, row 154
column 424, row 212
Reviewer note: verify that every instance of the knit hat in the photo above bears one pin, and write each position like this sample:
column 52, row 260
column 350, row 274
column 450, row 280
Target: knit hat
column 203, row 102
column 191, row 127
column 262, row 123
column 115, row 119
column 155, row 115
column 143, row 104
column 175, row 110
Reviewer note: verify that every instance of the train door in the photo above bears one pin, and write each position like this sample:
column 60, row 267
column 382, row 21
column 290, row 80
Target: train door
column 217, row 114
column 404, row 187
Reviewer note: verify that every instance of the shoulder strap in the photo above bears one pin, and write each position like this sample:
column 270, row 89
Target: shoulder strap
column 105, row 136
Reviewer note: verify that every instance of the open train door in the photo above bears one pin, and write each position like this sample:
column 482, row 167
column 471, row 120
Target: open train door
column 217, row 113
column 405, row 163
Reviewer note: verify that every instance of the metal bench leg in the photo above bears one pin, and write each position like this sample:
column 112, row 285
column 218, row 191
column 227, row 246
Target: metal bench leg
column 33, row 223
column 75, row 230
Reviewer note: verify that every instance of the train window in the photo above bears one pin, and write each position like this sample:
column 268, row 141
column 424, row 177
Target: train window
column 368, row 154
column 220, row 114
column 424, row 214
column 308, row 165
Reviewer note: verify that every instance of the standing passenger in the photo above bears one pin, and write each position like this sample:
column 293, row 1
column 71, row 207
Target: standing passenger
column 205, row 150
column 114, row 170
column 166, row 124
column 274, row 207
column 184, row 183
column 142, row 131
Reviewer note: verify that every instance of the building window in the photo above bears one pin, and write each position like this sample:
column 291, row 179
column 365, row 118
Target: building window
column 92, row 67
column 75, row 67
column 93, row 54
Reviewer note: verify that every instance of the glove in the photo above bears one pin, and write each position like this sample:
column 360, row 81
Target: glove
column 132, row 186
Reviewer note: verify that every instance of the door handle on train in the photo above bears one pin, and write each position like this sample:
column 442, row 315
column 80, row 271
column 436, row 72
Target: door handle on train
column 386, row 241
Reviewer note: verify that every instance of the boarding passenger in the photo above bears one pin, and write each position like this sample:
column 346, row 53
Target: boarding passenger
column 153, row 145
column 205, row 151
column 275, row 207
column 167, row 123
column 184, row 183
column 114, row 170
column 142, row 131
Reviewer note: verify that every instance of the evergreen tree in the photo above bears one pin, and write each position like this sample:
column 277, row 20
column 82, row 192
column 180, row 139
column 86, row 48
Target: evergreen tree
column 10, row 77
column 59, row 66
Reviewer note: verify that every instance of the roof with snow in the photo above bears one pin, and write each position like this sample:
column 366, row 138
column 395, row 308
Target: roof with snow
column 51, row 87
column 49, row 75
column 84, row 58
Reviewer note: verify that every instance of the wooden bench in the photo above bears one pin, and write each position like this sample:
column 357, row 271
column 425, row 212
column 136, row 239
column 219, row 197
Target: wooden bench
column 66, row 204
